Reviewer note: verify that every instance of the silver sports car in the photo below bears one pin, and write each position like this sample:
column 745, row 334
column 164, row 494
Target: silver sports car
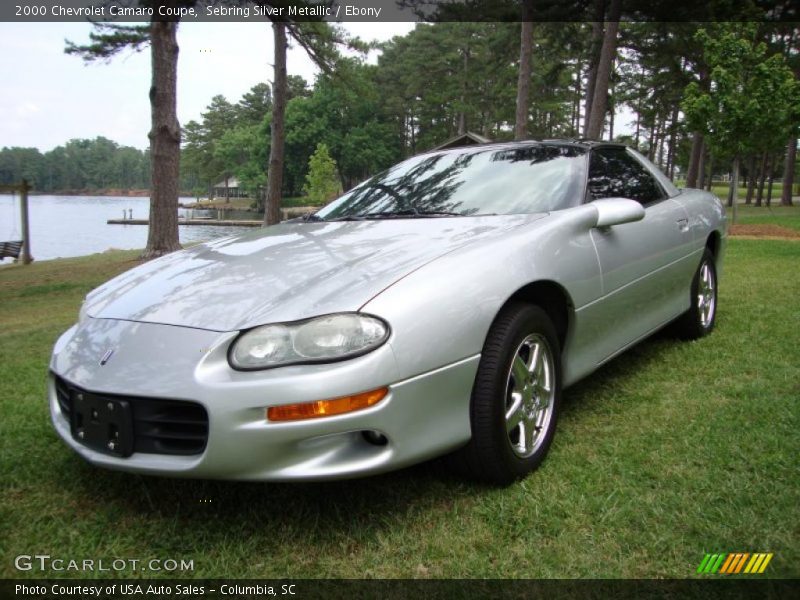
column 440, row 307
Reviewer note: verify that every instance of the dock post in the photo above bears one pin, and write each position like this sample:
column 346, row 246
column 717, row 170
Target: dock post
column 26, row 236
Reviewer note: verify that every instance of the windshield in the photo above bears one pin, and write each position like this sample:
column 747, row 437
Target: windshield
column 472, row 181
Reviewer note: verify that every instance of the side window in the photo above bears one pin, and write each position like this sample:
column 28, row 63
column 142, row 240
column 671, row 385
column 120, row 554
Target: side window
column 615, row 173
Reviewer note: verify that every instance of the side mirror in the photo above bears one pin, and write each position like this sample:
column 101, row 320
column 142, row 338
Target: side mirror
column 616, row 211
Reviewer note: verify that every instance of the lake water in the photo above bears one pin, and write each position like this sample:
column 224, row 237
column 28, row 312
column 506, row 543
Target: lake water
column 63, row 226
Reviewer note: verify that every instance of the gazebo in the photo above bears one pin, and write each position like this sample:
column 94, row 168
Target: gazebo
column 463, row 139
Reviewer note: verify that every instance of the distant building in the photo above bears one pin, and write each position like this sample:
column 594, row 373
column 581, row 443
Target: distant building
column 233, row 188
column 463, row 139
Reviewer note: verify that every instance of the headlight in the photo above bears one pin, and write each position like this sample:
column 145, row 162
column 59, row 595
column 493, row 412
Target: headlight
column 321, row 339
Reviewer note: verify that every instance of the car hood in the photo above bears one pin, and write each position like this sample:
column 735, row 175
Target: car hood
column 286, row 272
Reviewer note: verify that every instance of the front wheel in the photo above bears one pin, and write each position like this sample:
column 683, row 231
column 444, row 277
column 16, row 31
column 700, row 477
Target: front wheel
column 699, row 320
column 514, row 404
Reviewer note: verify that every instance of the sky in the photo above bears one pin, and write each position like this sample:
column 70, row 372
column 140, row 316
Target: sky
column 48, row 97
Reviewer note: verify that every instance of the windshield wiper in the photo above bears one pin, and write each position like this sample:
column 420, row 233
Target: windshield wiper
column 410, row 213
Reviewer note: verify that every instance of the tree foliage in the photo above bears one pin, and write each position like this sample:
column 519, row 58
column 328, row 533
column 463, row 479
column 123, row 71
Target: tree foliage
column 322, row 180
column 753, row 100
column 77, row 166
column 447, row 77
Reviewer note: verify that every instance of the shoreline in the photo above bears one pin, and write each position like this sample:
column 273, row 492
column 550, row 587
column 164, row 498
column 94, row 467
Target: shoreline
column 132, row 193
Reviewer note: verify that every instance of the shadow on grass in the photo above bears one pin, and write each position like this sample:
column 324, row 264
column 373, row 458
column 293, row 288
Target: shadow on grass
column 211, row 509
column 637, row 358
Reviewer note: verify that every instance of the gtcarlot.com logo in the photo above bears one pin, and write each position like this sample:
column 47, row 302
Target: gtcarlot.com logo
column 45, row 562
column 733, row 563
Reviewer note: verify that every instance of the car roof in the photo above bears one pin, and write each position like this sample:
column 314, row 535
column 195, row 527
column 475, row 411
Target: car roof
column 578, row 142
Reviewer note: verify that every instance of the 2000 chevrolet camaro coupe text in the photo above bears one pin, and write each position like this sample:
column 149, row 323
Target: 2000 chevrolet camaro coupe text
column 439, row 307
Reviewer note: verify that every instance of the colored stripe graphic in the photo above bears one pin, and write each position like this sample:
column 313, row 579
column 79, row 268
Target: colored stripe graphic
column 716, row 566
column 765, row 563
column 740, row 564
column 751, row 564
column 733, row 563
column 728, row 561
column 704, row 563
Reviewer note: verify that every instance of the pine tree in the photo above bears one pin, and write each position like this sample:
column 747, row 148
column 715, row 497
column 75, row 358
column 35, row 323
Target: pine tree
column 322, row 180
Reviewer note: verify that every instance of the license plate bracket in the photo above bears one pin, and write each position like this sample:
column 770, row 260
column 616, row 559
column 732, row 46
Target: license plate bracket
column 102, row 424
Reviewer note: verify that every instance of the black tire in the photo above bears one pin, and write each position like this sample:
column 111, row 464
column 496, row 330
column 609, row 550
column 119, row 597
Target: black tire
column 700, row 319
column 493, row 455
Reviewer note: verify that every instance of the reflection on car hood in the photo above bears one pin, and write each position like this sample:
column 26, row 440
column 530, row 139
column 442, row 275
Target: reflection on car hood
column 286, row 272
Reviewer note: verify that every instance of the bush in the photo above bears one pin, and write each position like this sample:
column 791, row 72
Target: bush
column 322, row 181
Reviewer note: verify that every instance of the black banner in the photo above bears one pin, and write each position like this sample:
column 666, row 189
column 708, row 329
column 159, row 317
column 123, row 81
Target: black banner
column 468, row 589
column 352, row 11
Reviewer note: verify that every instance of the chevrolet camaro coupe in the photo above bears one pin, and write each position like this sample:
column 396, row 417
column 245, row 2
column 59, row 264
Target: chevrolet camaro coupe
column 438, row 308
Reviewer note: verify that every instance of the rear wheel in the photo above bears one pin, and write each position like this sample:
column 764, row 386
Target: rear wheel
column 514, row 405
column 699, row 320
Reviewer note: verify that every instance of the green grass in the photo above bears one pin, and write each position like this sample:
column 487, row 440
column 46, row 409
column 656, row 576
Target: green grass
column 672, row 450
column 721, row 190
column 785, row 216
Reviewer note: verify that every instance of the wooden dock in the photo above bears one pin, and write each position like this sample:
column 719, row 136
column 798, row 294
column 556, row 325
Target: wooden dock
column 213, row 222
column 286, row 213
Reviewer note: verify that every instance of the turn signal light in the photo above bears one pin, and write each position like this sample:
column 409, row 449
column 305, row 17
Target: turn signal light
column 326, row 408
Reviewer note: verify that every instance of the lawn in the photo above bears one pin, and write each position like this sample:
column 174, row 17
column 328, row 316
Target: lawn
column 783, row 216
column 721, row 189
column 670, row 451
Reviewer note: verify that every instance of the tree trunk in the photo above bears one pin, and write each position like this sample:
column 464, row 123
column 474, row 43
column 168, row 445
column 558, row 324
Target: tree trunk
column 272, row 213
column 576, row 105
column 607, row 53
column 639, row 103
column 772, row 160
column 594, row 58
column 751, row 179
column 673, row 126
column 413, row 134
column 710, row 171
column 762, row 179
column 695, row 159
column 165, row 141
column 730, row 190
column 524, row 76
column 700, row 182
column 461, row 128
column 227, row 192
column 462, row 115
column 788, row 172
column 652, row 142
column 735, row 188
column 611, row 111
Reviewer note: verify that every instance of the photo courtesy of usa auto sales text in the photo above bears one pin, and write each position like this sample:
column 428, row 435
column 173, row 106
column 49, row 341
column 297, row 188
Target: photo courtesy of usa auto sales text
column 139, row 590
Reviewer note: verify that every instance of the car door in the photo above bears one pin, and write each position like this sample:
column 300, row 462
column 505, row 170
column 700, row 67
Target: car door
column 641, row 262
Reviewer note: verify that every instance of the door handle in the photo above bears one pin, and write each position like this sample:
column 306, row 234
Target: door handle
column 683, row 224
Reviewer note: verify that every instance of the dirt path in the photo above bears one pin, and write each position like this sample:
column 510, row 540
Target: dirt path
column 771, row 232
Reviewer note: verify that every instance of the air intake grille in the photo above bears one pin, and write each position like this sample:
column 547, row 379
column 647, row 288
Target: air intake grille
column 175, row 427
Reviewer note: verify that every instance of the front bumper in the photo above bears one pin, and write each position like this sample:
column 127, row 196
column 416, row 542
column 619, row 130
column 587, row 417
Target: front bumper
column 423, row 415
